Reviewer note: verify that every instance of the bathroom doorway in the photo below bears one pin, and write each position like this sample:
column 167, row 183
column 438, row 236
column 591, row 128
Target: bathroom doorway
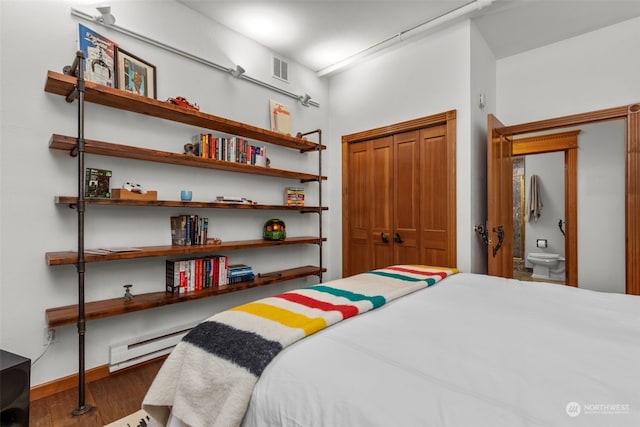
column 616, row 230
column 544, row 194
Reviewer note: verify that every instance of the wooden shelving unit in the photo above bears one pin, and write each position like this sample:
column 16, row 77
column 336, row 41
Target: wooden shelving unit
column 71, row 257
column 62, row 84
column 66, row 85
column 68, row 143
column 67, row 315
column 72, row 201
column 73, row 87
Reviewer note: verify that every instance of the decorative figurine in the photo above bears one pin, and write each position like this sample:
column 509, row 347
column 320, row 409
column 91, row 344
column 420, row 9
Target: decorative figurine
column 274, row 229
column 134, row 187
column 189, row 149
column 128, row 296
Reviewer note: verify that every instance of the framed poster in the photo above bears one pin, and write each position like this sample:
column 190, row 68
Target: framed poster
column 134, row 74
column 100, row 54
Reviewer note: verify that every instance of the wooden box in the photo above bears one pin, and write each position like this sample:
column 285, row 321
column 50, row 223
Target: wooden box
column 121, row 193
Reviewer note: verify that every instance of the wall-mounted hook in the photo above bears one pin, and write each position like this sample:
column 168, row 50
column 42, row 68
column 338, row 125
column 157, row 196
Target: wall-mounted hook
column 483, row 233
column 500, row 231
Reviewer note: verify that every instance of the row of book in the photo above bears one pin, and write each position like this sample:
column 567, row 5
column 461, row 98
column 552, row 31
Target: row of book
column 189, row 230
column 294, row 196
column 231, row 149
column 188, row 275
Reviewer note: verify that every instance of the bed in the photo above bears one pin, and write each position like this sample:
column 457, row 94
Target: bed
column 455, row 349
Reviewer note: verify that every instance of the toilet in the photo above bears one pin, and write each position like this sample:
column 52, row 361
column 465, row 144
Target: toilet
column 547, row 266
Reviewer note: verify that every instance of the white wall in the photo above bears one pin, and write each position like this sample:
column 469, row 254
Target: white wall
column 40, row 36
column 585, row 73
column 601, row 207
column 483, row 82
column 418, row 78
column 581, row 74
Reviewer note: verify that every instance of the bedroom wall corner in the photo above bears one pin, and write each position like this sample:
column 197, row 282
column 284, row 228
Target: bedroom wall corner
column 482, row 102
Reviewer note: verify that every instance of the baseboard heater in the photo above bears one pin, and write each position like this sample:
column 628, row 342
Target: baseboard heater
column 140, row 349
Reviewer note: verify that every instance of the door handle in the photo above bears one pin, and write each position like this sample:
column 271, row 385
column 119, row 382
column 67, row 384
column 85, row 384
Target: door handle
column 384, row 238
column 397, row 238
column 500, row 231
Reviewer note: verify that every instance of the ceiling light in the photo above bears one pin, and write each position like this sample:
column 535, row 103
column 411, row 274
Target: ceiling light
column 105, row 17
column 239, row 71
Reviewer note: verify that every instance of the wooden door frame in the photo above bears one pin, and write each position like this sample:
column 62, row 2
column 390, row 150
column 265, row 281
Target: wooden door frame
column 499, row 201
column 631, row 115
column 447, row 118
column 566, row 142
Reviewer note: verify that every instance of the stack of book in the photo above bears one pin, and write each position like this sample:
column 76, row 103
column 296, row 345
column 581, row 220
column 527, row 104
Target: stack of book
column 188, row 275
column 240, row 273
column 231, row 149
column 294, row 196
column 189, row 230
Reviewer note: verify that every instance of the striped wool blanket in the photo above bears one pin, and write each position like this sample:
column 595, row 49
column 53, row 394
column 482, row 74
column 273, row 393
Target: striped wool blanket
column 209, row 377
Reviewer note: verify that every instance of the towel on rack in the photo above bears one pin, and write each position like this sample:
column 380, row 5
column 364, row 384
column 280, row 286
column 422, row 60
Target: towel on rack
column 534, row 203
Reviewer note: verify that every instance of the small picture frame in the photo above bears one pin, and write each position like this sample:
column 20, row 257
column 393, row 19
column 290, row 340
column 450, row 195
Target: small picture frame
column 134, row 74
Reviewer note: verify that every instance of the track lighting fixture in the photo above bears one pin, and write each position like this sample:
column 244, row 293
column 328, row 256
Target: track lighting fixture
column 304, row 99
column 105, row 17
column 238, row 72
column 108, row 20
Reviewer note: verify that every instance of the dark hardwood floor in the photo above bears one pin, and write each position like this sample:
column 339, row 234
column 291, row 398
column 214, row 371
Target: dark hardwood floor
column 113, row 397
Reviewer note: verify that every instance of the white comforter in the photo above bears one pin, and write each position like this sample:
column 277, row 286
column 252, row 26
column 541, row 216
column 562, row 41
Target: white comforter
column 472, row 351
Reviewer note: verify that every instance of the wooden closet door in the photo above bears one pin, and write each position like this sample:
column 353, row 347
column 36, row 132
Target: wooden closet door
column 400, row 179
column 434, row 196
column 370, row 209
column 381, row 202
column 357, row 248
column 406, row 198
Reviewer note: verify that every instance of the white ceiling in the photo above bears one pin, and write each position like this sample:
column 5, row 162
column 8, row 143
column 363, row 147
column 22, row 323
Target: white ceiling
column 319, row 33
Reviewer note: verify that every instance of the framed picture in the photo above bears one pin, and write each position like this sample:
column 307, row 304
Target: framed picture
column 100, row 53
column 135, row 75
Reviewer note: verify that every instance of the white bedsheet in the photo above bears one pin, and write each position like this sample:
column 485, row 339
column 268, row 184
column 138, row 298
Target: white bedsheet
column 472, row 351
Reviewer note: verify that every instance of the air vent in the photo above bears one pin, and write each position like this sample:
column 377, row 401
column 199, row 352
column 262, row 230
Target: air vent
column 280, row 69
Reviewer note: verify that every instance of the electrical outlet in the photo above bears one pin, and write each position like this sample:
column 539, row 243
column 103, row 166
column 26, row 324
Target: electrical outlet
column 49, row 336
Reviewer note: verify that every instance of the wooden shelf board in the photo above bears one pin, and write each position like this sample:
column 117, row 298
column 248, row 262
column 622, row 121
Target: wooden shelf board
column 61, row 84
column 67, row 315
column 73, row 200
column 68, row 143
column 71, row 257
